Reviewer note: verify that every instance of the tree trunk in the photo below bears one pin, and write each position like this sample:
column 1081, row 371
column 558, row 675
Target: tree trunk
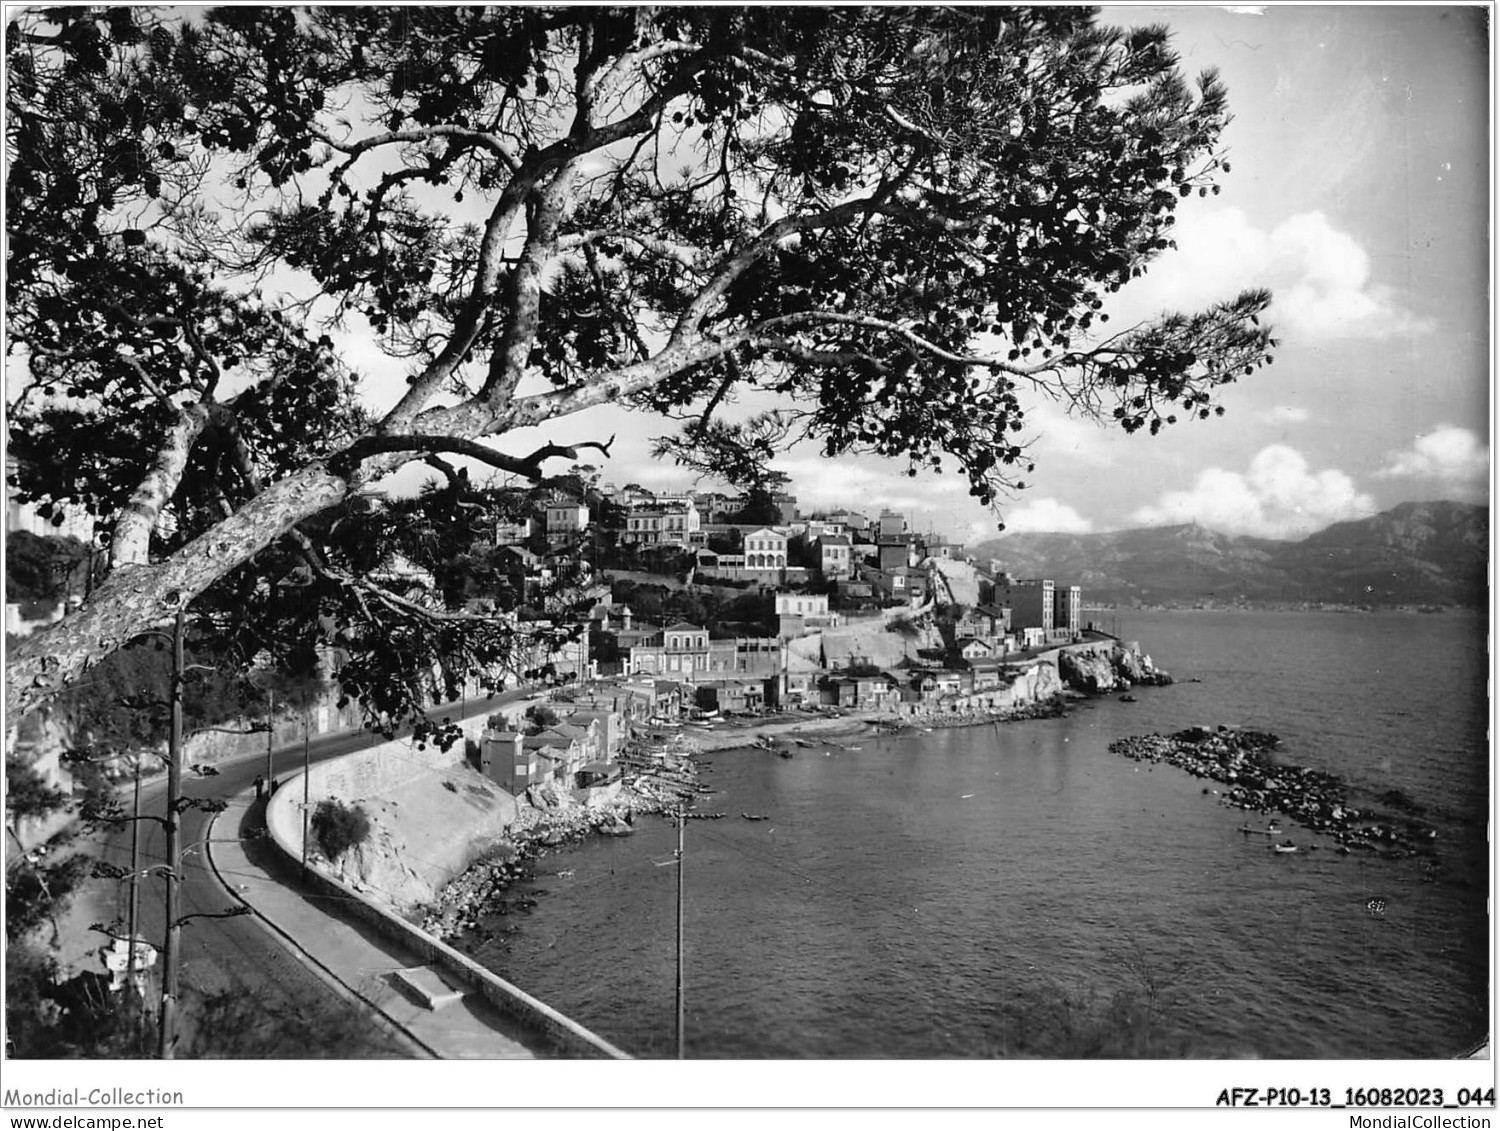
column 135, row 597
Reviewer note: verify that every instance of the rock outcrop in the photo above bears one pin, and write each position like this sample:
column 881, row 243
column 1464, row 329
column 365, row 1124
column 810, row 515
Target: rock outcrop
column 1133, row 664
column 425, row 834
column 1096, row 671
column 379, row 868
column 1089, row 672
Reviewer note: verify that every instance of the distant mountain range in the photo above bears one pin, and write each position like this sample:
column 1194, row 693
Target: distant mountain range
column 1414, row 554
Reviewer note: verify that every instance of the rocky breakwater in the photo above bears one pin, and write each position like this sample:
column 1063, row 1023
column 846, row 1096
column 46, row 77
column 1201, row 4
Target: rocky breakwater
column 550, row 817
column 1243, row 760
column 1119, row 667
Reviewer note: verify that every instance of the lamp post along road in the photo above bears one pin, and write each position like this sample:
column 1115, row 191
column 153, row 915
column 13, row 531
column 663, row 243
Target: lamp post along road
column 135, row 865
column 166, row 1036
column 270, row 736
column 681, row 1036
column 306, row 814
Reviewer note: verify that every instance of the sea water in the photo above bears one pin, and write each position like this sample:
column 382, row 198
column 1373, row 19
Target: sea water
column 1017, row 890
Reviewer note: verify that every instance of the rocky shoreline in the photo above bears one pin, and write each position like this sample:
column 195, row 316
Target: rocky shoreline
column 659, row 779
column 1099, row 671
column 1317, row 801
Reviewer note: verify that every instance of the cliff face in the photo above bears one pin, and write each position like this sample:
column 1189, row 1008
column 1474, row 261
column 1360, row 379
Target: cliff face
column 1089, row 672
column 1037, row 684
column 1101, row 669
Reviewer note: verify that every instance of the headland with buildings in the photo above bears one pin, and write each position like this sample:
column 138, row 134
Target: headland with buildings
column 696, row 635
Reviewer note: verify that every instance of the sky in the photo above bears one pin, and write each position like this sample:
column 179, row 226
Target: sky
column 1359, row 194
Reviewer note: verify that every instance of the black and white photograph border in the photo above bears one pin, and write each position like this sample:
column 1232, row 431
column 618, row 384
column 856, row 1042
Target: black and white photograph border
column 945, row 549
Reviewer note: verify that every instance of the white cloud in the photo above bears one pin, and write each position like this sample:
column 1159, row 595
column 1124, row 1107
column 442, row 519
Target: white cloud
column 867, row 483
column 1278, row 496
column 1066, row 439
column 1319, row 275
column 1046, row 516
column 1453, row 456
column 1284, row 414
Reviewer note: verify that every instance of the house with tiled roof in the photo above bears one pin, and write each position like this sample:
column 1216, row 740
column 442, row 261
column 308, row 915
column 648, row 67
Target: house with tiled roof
column 971, row 648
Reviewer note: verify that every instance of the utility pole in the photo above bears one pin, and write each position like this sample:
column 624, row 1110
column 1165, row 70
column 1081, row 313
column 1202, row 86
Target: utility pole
column 166, row 1037
column 270, row 735
column 135, row 894
column 681, row 1033
column 306, row 814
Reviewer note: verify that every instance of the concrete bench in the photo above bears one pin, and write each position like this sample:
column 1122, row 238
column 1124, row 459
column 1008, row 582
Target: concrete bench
column 427, row 987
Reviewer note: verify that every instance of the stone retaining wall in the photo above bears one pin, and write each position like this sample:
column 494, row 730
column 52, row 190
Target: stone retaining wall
column 383, row 767
column 567, row 1036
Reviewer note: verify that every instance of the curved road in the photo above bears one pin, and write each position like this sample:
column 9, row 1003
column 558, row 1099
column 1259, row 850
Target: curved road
column 240, row 953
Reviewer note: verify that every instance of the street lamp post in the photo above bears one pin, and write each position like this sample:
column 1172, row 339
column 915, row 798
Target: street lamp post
column 681, row 1035
column 306, row 804
column 166, row 1036
column 270, row 735
column 135, row 865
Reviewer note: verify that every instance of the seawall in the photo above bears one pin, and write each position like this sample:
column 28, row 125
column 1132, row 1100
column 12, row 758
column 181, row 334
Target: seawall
column 399, row 773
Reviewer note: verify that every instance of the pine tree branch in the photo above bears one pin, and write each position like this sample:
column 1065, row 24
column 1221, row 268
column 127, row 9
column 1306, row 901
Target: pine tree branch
column 529, row 466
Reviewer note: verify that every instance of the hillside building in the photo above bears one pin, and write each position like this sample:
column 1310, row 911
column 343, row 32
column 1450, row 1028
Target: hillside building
column 852, row 521
column 514, row 532
column 566, row 517
column 672, row 522
column 797, row 613
column 765, row 549
column 1032, row 603
column 681, row 650
column 1067, row 614
column 897, row 553
column 892, row 527
column 835, row 555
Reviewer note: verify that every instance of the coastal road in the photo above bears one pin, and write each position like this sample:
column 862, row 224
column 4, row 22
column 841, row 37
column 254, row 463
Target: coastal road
column 238, row 954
